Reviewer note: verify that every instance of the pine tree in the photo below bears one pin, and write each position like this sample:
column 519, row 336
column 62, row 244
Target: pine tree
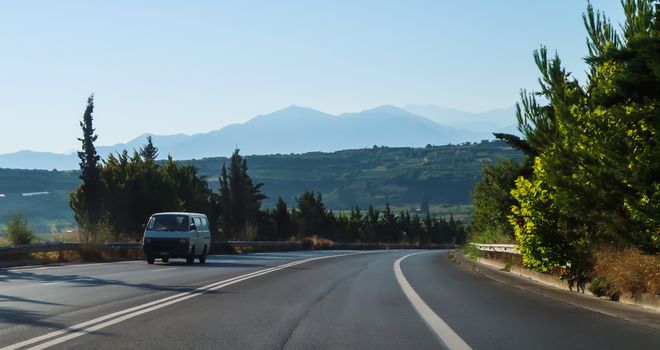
column 240, row 198
column 87, row 200
column 149, row 152
column 225, row 205
column 282, row 220
column 389, row 226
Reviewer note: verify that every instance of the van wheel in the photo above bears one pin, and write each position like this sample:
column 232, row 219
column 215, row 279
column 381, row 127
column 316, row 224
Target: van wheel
column 191, row 256
column 150, row 260
column 202, row 258
column 165, row 260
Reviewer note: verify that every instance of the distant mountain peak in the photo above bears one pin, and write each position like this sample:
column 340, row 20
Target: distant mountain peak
column 299, row 129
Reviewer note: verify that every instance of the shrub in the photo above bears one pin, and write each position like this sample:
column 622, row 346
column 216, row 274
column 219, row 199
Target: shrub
column 601, row 287
column 629, row 270
column 18, row 231
column 316, row 242
column 472, row 252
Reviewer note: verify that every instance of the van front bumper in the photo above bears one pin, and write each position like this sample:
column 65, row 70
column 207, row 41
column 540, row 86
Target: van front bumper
column 165, row 248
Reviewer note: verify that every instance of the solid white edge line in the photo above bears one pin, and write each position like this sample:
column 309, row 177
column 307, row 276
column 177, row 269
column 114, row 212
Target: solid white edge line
column 119, row 316
column 440, row 328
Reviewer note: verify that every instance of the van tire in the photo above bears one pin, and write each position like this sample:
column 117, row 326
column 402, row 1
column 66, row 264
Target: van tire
column 202, row 258
column 191, row 256
column 165, row 259
column 150, row 260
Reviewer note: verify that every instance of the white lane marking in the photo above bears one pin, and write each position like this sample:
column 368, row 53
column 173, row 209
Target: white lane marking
column 441, row 330
column 49, row 283
column 119, row 316
column 170, row 269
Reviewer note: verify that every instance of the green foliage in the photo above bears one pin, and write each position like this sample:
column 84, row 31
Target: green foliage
column 438, row 176
column 240, row 199
column 87, row 200
column 472, row 252
column 312, row 216
column 595, row 175
column 492, row 201
column 18, row 231
column 407, row 178
column 535, row 224
column 128, row 189
column 601, row 287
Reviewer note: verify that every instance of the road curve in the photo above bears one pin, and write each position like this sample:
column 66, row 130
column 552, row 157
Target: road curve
column 294, row 300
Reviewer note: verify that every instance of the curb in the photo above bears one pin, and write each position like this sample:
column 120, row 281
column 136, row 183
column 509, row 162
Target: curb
column 631, row 312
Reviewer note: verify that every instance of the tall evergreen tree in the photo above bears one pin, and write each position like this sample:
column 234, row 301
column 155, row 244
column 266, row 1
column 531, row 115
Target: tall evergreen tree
column 87, row 200
column 389, row 227
column 225, row 204
column 282, row 220
column 240, row 197
column 149, row 152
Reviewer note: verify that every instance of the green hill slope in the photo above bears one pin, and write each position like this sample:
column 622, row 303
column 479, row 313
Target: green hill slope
column 405, row 177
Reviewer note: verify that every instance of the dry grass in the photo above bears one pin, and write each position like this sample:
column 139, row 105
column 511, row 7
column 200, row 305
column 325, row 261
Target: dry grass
column 316, row 242
column 629, row 270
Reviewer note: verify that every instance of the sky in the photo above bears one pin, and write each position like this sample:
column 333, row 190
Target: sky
column 168, row 67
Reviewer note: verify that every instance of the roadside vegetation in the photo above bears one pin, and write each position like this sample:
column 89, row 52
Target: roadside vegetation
column 118, row 194
column 434, row 179
column 586, row 198
column 18, row 231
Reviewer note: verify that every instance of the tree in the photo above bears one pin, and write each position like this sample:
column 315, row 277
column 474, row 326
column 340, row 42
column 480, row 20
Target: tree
column 370, row 224
column 87, row 201
column 282, row 220
column 595, row 174
column 149, row 152
column 492, row 201
column 389, row 227
column 225, row 204
column 18, row 230
column 240, row 198
column 311, row 215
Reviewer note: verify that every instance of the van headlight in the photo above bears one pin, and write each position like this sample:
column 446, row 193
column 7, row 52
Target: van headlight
column 183, row 241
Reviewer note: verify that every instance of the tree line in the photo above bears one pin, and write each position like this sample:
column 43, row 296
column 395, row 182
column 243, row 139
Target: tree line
column 590, row 180
column 118, row 194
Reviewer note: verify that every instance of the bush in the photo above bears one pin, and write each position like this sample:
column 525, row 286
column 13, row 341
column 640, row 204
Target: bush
column 316, row 242
column 472, row 251
column 18, row 231
column 629, row 270
column 601, row 287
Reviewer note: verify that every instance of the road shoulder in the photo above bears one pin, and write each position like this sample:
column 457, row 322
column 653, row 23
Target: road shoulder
column 627, row 312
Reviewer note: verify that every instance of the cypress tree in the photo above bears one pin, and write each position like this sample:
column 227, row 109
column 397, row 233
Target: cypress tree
column 87, row 200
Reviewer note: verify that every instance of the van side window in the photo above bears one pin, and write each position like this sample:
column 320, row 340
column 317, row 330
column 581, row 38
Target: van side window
column 198, row 224
column 205, row 224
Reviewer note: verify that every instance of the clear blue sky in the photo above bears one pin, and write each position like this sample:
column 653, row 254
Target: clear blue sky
column 169, row 67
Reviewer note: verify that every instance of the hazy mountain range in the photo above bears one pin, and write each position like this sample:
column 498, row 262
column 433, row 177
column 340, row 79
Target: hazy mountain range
column 298, row 129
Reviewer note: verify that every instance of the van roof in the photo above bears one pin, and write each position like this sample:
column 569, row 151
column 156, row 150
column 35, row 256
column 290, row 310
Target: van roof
column 178, row 213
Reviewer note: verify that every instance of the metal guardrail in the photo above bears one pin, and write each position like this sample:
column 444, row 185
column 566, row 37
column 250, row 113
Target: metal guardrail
column 66, row 246
column 239, row 244
column 62, row 246
column 500, row 248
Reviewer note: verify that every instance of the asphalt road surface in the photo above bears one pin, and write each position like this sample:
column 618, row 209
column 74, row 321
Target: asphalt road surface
column 294, row 300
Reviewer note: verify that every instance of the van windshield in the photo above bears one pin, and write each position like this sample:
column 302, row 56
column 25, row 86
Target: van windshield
column 169, row 223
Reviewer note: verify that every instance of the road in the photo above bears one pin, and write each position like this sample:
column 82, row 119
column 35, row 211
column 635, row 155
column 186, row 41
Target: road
column 294, row 300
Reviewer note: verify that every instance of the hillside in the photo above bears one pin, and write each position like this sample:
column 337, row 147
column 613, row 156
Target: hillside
column 443, row 175
column 297, row 130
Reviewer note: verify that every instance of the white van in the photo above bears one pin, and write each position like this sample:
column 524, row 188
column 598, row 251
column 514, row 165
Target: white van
column 177, row 235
